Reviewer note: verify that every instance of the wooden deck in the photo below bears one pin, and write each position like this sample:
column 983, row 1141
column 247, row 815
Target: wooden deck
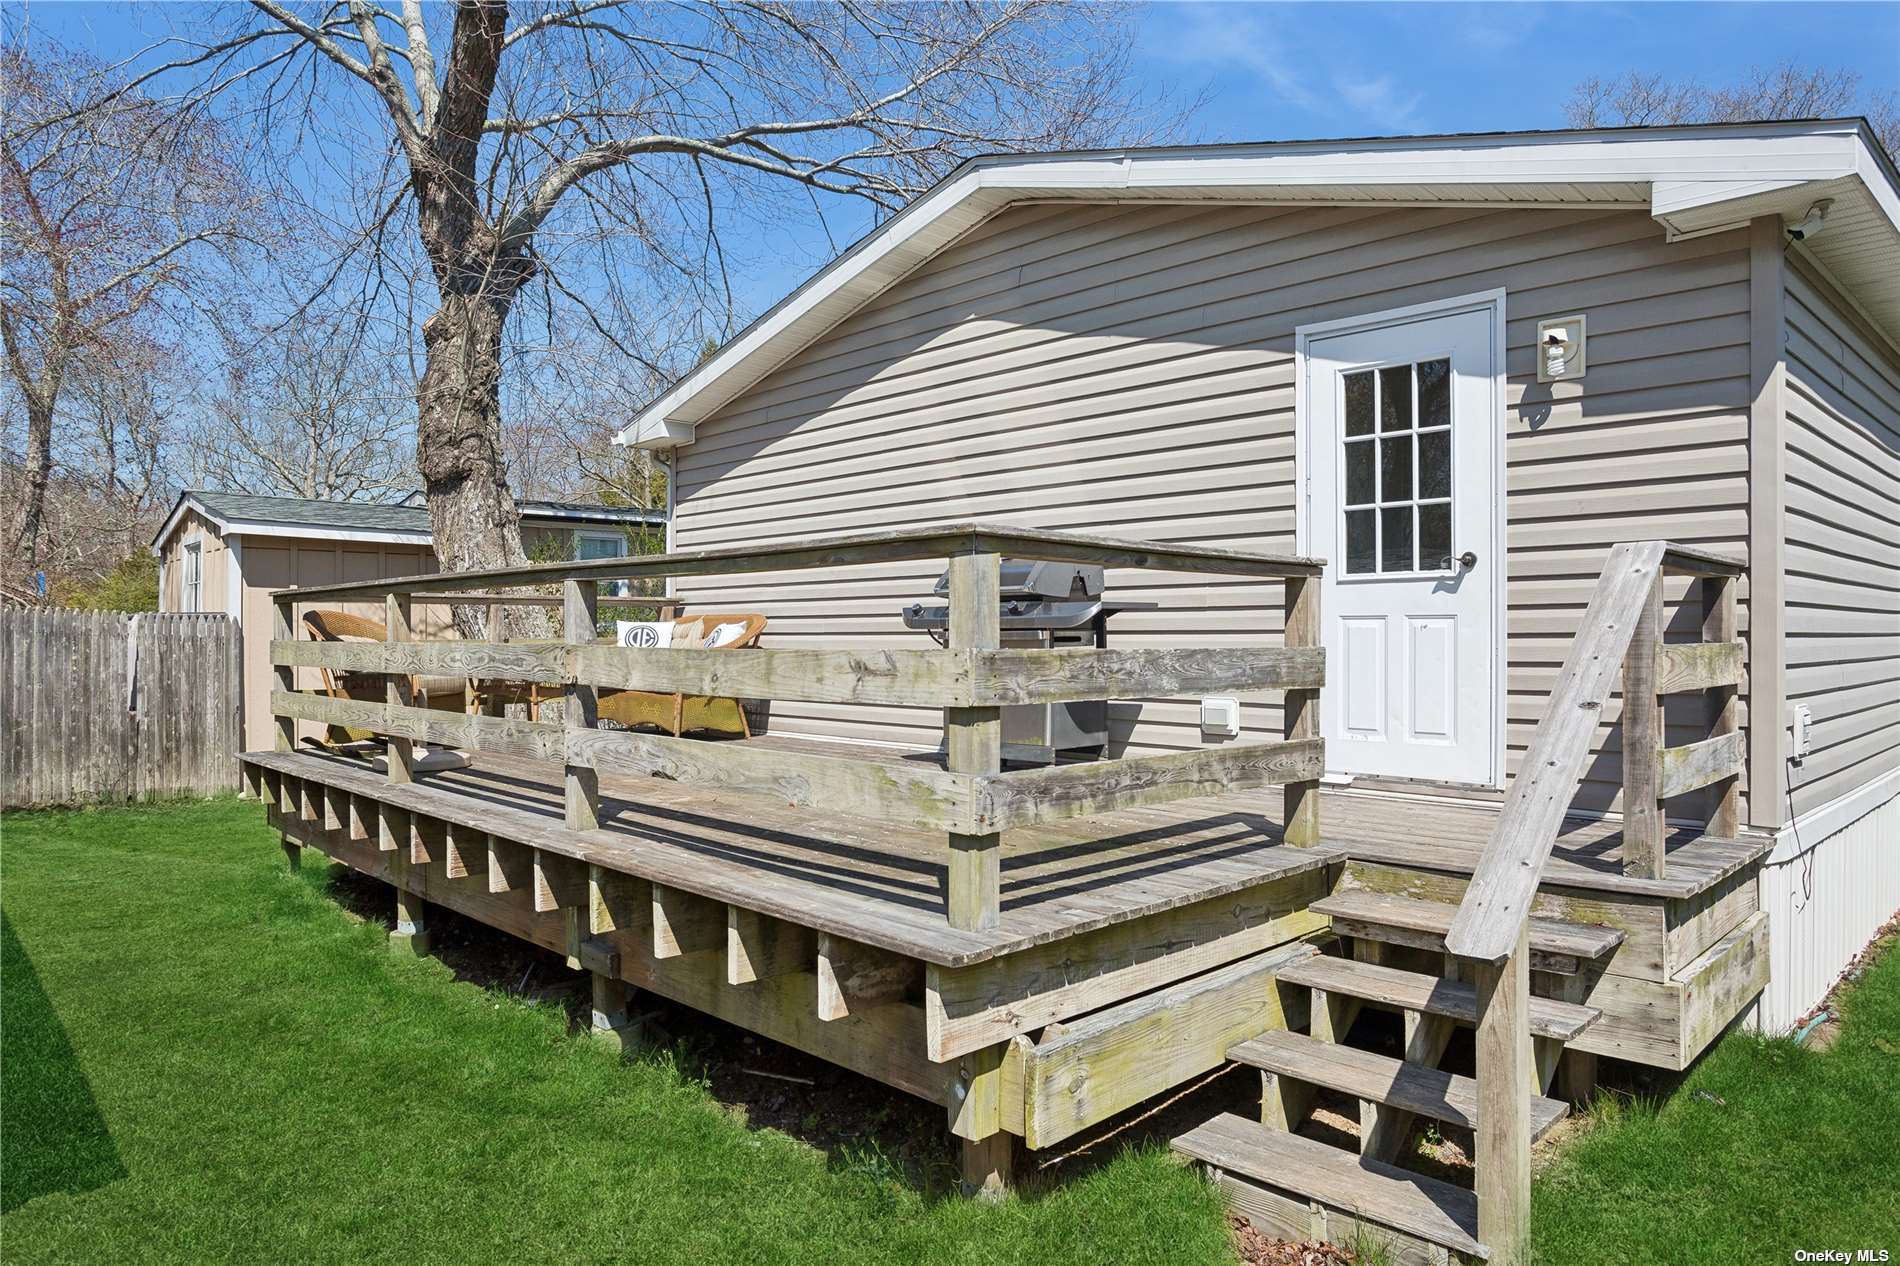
column 877, row 882
column 884, row 884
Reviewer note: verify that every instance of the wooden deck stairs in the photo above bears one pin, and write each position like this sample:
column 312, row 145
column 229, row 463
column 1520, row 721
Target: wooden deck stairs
column 1309, row 1188
column 1472, row 962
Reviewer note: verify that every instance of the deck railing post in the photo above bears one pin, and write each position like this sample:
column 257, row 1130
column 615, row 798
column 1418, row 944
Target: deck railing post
column 1720, row 624
column 1506, row 1075
column 284, row 629
column 579, row 605
column 974, row 740
column 402, row 763
column 1643, row 742
column 1301, row 709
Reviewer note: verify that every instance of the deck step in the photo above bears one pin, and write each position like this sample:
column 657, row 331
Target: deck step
column 1413, row 991
column 1415, row 1088
column 1369, row 1189
column 1557, row 945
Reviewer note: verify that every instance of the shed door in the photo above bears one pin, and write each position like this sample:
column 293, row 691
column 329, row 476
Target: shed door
column 1403, row 443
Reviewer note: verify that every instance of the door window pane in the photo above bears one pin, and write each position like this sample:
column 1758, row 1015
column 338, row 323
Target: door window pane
column 1434, row 464
column 1395, row 468
column 1359, row 489
column 1434, row 537
column 1395, row 549
column 1395, row 398
column 1397, row 454
column 1434, row 393
column 1361, row 553
column 1359, row 403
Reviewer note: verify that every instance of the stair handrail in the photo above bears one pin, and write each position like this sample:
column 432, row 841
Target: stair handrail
column 1497, row 904
column 1489, row 932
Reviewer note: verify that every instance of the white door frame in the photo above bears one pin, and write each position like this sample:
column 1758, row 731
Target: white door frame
column 1491, row 302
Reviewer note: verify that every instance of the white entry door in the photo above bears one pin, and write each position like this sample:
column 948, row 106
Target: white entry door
column 1402, row 439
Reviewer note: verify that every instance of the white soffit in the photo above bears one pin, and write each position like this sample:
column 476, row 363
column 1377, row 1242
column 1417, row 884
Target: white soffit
column 1693, row 180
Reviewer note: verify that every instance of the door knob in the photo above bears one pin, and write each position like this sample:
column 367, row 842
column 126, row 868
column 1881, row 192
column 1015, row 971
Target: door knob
column 1466, row 560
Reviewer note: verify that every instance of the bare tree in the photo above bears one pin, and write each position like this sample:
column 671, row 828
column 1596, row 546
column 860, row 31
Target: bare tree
column 111, row 202
column 310, row 409
column 1787, row 91
column 581, row 154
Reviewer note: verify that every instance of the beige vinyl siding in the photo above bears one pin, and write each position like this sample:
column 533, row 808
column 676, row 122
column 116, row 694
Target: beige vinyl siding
column 1843, row 540
column 280, row 562
column 214, row 587
column 1130, row 370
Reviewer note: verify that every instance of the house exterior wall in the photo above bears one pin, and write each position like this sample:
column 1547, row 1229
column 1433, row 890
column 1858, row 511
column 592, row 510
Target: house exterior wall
column 1842, row 397
column 1130, row 370
column 1833, row 877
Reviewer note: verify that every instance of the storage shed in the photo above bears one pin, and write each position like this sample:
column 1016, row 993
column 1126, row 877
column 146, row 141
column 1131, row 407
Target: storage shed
column 226, row 551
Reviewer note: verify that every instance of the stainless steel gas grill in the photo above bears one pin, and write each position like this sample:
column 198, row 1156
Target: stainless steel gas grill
column 1045, row 605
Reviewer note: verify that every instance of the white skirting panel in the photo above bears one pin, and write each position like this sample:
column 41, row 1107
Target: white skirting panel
column 1832, row 880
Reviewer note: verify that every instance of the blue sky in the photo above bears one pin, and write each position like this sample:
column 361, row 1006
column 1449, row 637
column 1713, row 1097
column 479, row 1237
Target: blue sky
column 1285, row 71
column 1291, row 71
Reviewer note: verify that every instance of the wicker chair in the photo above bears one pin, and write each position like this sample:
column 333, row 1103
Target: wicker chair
column 677, row 714
column 448, row 694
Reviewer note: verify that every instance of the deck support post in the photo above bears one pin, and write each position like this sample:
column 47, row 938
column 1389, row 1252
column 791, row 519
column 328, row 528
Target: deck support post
column 1643, row 742
column 1506, row 1072
column 1576, row 1070
column 579, row 603
column 611, row 1021
column 402, row 762
column 1720, row 624
column 973, row 738
column 1300, row 710
column 989, row 1165
column 412, row 927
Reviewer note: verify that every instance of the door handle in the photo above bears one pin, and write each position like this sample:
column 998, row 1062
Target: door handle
column 1466, row 561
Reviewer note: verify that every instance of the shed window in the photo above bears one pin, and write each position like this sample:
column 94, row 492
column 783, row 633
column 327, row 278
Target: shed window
column 1398, row 473
column 591, row 545
column 192, row 582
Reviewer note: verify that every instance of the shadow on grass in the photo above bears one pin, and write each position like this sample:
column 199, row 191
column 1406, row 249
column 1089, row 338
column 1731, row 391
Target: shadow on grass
column 56, row 1137
column 860, row 1125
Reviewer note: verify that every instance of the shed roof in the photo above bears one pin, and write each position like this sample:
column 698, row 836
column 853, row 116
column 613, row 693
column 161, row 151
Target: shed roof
column 1693, row 180
column 407, row 523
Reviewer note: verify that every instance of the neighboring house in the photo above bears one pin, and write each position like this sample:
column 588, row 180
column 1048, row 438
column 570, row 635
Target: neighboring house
column 225, row 551
column 1342, row 349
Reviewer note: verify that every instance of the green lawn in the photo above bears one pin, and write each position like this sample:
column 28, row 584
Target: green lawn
column 206, row 1058
column 1763, row 1149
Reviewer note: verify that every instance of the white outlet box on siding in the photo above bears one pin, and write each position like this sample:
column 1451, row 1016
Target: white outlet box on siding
column 1220, row 717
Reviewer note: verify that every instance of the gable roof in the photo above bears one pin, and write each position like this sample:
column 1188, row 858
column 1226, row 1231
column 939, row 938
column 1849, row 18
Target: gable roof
column 245, row 514
column 1695, row 179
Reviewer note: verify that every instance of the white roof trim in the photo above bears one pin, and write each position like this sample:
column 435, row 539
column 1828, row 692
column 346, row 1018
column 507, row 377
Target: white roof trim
column 1700, row 179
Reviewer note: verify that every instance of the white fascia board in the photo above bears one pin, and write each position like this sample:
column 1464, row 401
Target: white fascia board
column 178, row 512
column 360, row 535
column 1698, row 167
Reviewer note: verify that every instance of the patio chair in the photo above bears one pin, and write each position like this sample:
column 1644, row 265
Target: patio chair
column 678, row 714
column 444, row 693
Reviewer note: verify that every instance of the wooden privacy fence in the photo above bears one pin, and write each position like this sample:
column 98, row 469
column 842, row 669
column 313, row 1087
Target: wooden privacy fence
column 105, row 707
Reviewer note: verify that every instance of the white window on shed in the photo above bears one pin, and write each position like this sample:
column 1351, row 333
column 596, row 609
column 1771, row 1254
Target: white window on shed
column 593, row 545
column 192, row 581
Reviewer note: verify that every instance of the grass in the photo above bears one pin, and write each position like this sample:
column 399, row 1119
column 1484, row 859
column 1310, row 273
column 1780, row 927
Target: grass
column 205, row 1058
column 1765, row 1148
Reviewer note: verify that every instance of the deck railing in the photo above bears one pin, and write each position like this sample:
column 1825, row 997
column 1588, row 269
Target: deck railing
column 972, row 799
column 1622, row 629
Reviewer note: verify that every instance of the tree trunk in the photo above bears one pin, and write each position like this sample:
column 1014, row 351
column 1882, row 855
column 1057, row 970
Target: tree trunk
column 458, row 440
column 39, row 473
